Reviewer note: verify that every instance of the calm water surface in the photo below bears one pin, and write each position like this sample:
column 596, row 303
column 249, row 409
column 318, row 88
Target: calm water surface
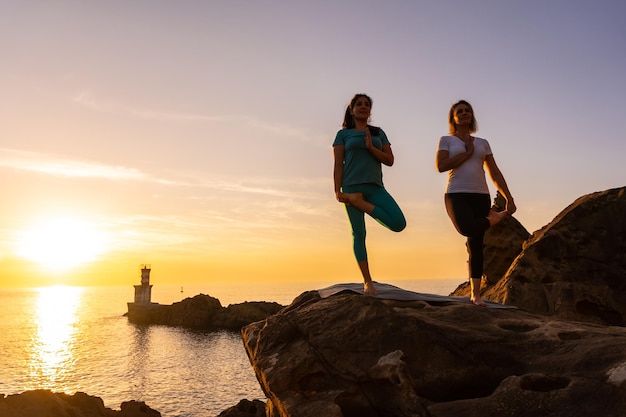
column 70, row 339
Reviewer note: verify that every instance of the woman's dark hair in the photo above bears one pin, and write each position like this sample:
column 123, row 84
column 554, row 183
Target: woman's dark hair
column 473, row 127
column 348, row 118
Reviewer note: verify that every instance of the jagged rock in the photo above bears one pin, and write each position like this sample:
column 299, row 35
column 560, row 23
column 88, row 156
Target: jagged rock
column 40, row 403
column 136, row 409
column 245, row 408
column 235, row 316
column 351, row 355
column 202, row 312
column 575, row 267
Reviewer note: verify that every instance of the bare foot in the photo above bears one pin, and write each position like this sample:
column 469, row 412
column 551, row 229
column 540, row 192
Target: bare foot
column 352, row 198
column 495, row 217
column 356, row 200
column 476, row 300
column 369, row 289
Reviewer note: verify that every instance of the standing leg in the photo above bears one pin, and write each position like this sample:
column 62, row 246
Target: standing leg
column 470, row 215
column 386, row 212
column 378, row 203
column 368, row 284
column 475, row 297
column 357, row 221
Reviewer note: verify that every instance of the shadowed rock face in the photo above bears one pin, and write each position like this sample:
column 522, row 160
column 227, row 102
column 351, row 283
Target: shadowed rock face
column 352, row 355
column 573, row 268
column 245, row 408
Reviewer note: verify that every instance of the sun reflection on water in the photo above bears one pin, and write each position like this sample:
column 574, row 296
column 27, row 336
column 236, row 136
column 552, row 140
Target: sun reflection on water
column 54, row 342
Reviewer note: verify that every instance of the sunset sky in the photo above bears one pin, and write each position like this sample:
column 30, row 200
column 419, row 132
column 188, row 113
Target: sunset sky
column 196, row 135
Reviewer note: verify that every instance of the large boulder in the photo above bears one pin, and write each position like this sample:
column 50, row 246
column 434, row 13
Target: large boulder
column 575, row 267
column 202, row 312
column 40, row 403
column 351, row 355
column 245, row 408
column 235, row 316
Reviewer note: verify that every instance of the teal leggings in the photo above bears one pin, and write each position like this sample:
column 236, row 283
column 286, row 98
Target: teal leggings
column 386, row 212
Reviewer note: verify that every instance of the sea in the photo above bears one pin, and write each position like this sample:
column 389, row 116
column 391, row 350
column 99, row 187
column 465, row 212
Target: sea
column 77, row 339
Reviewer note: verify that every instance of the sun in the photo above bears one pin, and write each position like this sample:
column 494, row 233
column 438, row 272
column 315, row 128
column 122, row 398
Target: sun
column 61, row 244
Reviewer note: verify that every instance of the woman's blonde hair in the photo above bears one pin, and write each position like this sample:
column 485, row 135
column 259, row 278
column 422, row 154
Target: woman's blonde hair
column 473, row 127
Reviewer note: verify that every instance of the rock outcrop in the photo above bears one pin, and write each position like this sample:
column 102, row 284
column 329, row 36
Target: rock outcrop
column 39, row 403
column 245, row 408
column 573, row 268
column 351, row 355
column 562, row 353
column 202, row 312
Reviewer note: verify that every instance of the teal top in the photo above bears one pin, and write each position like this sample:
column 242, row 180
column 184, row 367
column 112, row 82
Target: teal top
column 359, row 165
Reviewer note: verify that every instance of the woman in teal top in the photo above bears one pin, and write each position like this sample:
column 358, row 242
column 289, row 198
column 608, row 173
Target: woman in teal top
column 359, row 149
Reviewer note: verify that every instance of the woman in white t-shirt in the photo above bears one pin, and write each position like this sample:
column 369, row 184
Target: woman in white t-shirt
column 467, row 197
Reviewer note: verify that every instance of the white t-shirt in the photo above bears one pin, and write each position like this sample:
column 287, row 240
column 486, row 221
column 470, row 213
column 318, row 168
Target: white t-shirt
column 470, row 176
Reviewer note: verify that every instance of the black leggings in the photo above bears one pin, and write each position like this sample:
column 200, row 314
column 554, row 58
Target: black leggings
column 468, row 212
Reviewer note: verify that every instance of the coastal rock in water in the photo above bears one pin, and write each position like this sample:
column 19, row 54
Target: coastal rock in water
column 39, row 403
column 350, row 355
column 245, row 408
column 235, row 316
column 136, row 409
column 575, row 267
column 202, row 312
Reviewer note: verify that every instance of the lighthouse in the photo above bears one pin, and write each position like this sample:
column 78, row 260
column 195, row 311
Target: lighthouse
column 143, row 292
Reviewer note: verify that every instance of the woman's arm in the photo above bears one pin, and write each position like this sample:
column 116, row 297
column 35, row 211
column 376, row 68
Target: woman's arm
column 500, row 182
column 338, row 152
column 445, row 163
column 384, row 155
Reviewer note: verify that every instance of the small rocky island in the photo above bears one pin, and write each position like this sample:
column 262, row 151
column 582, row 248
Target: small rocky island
column 201, row 312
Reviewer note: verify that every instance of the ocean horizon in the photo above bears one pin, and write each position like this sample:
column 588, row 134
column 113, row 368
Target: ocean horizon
column 77, row 339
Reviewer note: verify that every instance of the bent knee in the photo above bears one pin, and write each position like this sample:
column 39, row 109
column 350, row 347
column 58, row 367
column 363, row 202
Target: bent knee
column 398, row 226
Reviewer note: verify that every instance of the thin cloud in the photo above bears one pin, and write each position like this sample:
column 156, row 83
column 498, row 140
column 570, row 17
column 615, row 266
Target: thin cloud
column 53, row 165
column 86, row 99
column 48, row 164
column 301, row 188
